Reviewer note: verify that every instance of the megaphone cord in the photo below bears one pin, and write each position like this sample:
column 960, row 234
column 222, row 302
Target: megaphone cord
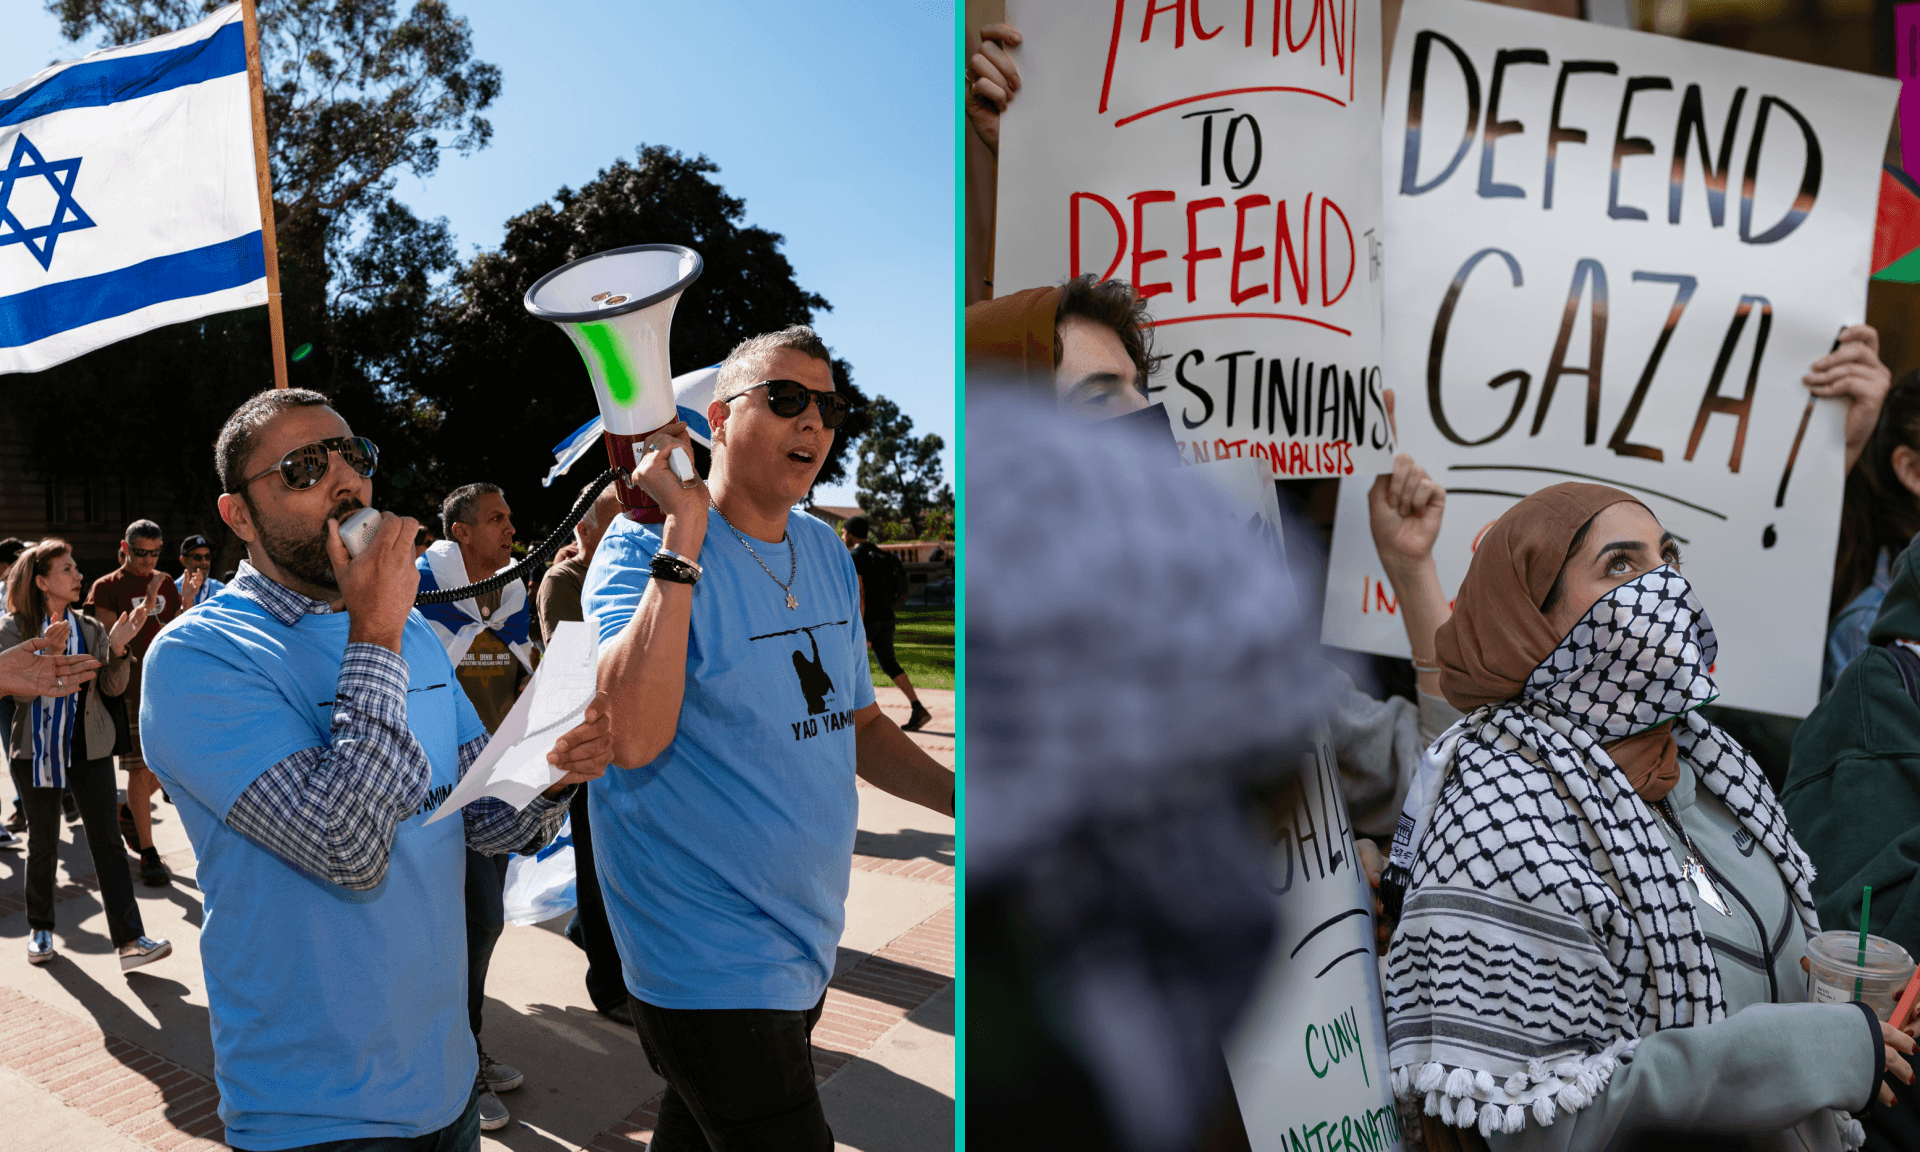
column 537, row 556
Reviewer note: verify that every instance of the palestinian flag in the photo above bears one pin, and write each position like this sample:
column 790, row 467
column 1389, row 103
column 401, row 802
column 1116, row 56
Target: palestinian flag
column 1896, row 229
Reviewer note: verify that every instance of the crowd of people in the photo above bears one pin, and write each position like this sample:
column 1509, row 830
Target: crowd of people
column 1595, row 900
column 306, row 721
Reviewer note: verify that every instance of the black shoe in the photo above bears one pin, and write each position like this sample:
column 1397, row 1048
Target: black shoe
column 127, row 829
column 153, row 873
column 69, row 807
column 18, row 821
column 919, row 718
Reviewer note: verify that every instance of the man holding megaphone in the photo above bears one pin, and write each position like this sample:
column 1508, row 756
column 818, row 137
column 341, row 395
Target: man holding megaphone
column 307, row 722
column 735, row 664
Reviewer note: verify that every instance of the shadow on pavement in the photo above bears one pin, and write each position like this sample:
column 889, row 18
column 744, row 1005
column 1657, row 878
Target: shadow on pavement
column 910, row 844
column 875, row 1109
column 166, row 999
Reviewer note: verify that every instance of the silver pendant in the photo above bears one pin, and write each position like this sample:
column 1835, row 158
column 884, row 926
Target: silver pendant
column 791, row 602
column 1695, row 872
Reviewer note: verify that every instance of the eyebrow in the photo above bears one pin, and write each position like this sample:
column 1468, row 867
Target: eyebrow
column 1666, row 538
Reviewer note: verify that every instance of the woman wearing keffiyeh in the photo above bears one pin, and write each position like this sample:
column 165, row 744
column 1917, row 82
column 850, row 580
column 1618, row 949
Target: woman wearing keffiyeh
column 1605, row 918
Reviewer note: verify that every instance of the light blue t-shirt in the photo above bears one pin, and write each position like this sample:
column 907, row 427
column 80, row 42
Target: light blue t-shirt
column 336, row 1014
column 208, row 588
column 725, row 862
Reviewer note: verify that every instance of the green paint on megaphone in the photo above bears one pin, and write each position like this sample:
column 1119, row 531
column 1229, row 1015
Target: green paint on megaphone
column 614, row 372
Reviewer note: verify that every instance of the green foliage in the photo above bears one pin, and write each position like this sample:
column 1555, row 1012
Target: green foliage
column 899, row 477
column 497, row 370
column 356, row 93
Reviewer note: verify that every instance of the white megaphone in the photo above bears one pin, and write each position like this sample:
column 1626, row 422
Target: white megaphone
column 617, row 307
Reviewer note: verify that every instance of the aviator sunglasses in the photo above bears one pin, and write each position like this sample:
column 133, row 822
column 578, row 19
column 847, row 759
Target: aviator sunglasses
column 788, row 398
column 307, row 465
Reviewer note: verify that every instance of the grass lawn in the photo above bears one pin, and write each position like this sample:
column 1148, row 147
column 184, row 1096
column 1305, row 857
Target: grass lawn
column 923, row 643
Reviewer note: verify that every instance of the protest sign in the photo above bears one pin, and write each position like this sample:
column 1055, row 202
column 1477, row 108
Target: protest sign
column 1659, row 235
column 1309, row 1058
column 1223, row 160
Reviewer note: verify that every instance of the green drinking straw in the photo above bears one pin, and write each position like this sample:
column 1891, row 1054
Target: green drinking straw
column 1866, row 902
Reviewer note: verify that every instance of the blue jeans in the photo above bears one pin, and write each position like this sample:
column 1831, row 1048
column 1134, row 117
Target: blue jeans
column 486, row 918
column 463, row 1135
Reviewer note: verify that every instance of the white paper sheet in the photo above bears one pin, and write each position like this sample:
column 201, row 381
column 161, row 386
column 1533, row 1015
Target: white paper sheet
column 513, row 767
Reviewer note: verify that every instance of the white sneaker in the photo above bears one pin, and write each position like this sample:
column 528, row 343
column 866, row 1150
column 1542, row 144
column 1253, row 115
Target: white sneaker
column 39, row 946
column 143, row 951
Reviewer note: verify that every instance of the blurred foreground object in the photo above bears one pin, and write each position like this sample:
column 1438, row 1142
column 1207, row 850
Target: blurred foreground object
column 1136, row 663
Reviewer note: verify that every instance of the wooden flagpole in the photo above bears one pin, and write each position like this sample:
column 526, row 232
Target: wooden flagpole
column 263, row 177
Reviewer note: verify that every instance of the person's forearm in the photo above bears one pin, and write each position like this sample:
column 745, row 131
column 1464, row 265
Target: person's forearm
column 1423, row 608
column 1764, row 1069
column 332, row 811
column 888, row 759
column 493, row 828
column 644, row 671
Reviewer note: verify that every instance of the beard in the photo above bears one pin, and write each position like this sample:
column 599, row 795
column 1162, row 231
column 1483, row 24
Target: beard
column 302, row 555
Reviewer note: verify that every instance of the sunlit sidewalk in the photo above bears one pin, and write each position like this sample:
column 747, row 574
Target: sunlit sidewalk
column 91, row 1058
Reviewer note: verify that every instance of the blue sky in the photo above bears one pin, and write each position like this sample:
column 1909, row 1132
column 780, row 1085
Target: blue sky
column 834, row 124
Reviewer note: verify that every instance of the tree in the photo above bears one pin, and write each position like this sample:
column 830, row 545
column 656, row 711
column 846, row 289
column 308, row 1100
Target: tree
column 899, row 477
column 500, row 387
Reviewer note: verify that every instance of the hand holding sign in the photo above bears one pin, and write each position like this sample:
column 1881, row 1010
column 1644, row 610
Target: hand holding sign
column 1854, row 372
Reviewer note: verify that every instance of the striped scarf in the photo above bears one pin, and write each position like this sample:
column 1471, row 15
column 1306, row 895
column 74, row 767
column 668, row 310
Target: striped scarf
column 53, row 720
column 1548, row 927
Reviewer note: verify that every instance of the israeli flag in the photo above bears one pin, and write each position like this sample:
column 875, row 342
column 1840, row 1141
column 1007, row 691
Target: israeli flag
column 692, row 393
column 127, row 194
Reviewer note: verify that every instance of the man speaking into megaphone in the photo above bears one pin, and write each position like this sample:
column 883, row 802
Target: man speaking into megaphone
column 735, row 665
column 306, row 721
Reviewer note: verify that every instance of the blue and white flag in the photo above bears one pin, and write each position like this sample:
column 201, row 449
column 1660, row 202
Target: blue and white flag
column 127, row 194
column 692, row 392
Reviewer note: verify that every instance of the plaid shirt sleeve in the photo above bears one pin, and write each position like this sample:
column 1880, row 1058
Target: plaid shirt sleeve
column 495, row 829
column 331, row 811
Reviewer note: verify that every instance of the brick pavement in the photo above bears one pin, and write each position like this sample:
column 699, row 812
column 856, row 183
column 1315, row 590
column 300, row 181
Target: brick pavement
column 145, row 1096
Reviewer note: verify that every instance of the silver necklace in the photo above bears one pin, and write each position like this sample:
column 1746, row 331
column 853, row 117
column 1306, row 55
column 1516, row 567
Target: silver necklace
column 793, row 555
column 1694, row 869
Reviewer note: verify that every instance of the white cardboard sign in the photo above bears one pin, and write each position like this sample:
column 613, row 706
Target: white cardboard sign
column 1223, row 159
column 1309, row 1058
column 1611, row 256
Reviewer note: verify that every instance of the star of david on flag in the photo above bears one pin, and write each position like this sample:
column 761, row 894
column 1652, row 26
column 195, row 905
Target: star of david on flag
column 127, row 194
column 67, row 214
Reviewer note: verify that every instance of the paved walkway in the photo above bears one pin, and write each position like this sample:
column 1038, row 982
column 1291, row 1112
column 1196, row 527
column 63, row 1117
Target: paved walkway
column 91, row 1058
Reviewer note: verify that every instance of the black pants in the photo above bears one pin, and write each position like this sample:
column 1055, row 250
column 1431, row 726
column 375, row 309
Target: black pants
column 738, row 1079
column 463, row 1135
column 486, row 918
column 880, row 639
column 606, row 985
column 94, row 790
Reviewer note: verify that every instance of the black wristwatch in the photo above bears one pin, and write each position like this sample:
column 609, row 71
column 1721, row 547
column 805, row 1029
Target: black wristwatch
column 674, row 568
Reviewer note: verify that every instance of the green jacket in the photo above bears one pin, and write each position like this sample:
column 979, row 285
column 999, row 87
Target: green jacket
column 1852, row 796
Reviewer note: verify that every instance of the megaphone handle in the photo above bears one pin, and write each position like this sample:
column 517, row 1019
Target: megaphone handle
column 620, row 453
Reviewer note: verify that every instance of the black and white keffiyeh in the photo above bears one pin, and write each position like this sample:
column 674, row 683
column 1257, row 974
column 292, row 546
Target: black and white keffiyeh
column 1545, row 931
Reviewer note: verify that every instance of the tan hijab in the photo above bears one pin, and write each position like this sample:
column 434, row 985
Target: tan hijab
column 1013, row 335
column 1498, row 635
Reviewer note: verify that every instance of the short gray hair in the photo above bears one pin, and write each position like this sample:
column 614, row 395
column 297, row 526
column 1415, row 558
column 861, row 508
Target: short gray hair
column 457, row 508
column 143, row 530
column 746, row 365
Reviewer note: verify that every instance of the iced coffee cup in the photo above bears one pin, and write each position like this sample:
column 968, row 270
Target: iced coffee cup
column 1834, row 970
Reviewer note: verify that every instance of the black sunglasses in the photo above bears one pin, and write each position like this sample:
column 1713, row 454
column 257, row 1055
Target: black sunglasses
column 307, row 465
column 788, row 398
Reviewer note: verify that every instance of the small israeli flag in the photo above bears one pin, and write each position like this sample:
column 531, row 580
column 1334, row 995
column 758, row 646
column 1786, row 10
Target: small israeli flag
column 692, row 392
column 127, row 194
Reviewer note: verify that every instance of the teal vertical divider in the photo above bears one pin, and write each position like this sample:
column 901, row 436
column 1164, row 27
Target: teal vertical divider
column 960, row 573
